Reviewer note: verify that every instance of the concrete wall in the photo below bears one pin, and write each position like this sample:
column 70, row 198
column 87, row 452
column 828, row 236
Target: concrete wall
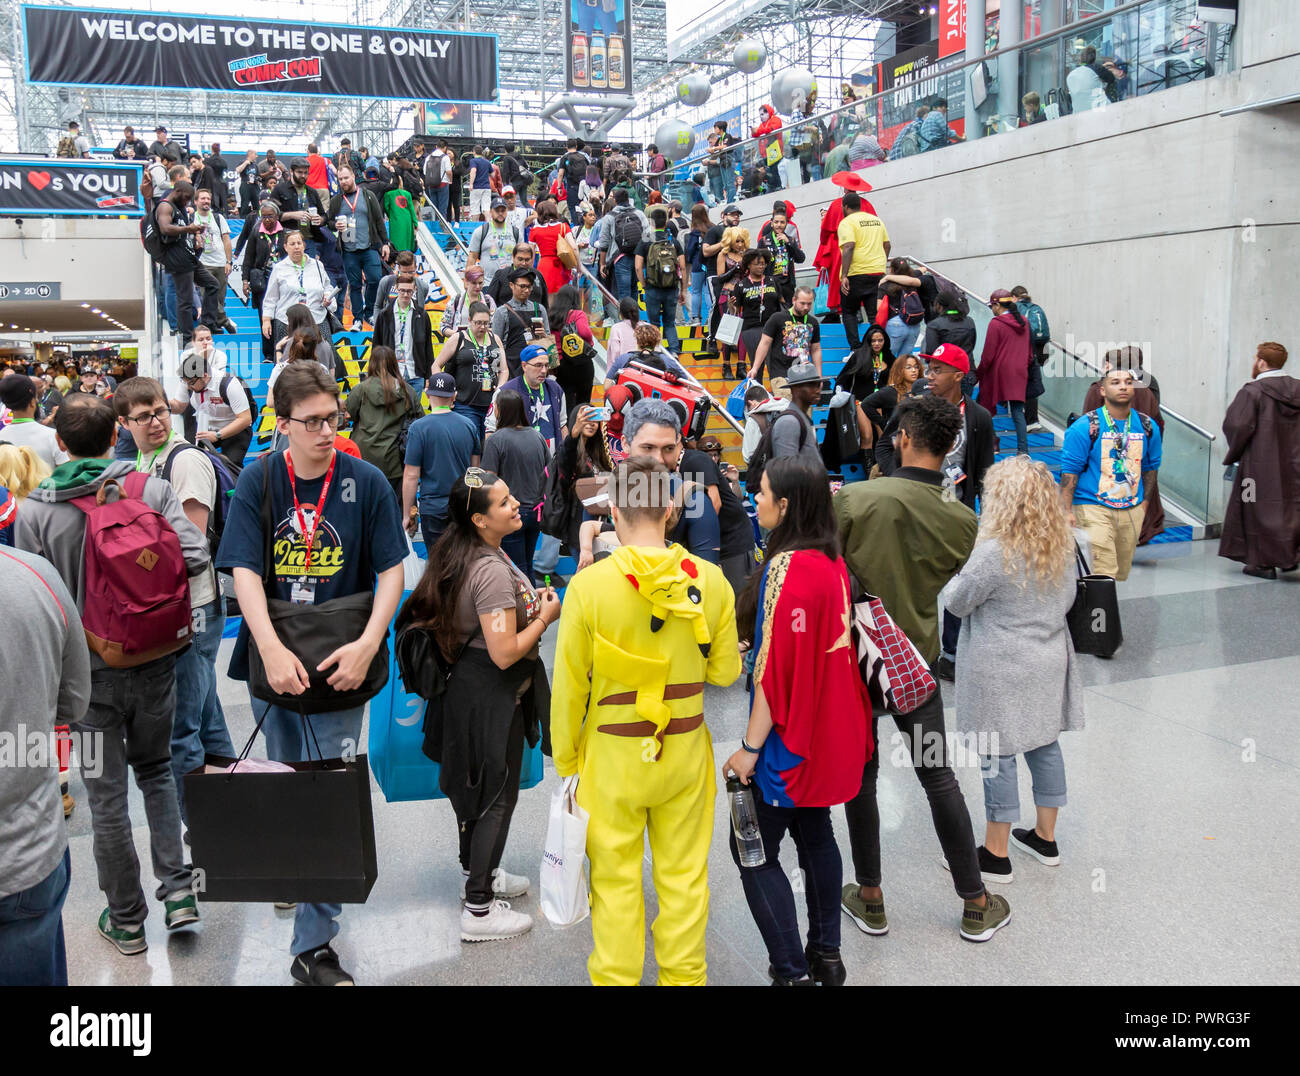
column 93, row 259
column 1155, row 220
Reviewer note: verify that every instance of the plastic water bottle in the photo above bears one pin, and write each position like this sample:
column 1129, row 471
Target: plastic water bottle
column 744, row 823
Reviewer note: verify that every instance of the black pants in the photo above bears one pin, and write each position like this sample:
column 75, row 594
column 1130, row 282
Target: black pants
column 577, row 378
column 769, row 893
column 234, row 448
column 927, row 745
column 185, row 279
column 483, row 839
column 860, row 296
column 951, row 632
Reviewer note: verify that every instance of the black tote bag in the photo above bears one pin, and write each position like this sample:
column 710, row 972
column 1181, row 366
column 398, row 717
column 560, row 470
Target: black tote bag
column 305, row 836
column 1093, row 619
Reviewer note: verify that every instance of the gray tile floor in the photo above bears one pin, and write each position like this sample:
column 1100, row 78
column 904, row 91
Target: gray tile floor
column 1176, row 866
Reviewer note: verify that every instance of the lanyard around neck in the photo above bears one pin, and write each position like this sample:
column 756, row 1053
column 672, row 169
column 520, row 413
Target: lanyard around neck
column 139, row 456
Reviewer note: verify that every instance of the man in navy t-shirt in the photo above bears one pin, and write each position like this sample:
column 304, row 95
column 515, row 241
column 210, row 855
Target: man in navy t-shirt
column 480, row 184
column 439, row 449
column 335, row 532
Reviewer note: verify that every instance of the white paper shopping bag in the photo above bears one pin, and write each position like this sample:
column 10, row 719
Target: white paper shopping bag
column 564, row 868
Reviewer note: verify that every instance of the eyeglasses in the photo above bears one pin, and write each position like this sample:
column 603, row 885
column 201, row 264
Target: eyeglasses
column 315, row 423
column 161, row 415
column 473, row 480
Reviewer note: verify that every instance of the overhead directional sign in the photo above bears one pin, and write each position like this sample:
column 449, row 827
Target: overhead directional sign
column 34, row 290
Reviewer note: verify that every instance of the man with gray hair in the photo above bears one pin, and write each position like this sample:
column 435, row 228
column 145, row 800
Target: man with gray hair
column 653, row 428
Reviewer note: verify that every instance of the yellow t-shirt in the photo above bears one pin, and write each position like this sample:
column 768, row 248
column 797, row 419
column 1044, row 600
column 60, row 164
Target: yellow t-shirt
column 868, row 236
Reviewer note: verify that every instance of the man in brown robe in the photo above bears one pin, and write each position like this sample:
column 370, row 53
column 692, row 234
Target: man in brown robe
column 1261, row 527
column 1146, row 401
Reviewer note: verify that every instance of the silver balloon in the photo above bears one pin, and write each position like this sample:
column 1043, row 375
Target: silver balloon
column 694, row 88
column 791, row 89
column 675, row 139
column 750, row 55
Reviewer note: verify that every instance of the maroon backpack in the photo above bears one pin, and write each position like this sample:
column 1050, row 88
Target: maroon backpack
column 136, row 589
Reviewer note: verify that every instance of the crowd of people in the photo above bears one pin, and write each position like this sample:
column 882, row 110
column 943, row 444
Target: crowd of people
column 683, row 576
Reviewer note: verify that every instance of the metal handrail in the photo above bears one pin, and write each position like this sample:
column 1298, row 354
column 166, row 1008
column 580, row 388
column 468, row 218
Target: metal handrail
column 446, row 225
column 1036, row 42
column 1164, row 410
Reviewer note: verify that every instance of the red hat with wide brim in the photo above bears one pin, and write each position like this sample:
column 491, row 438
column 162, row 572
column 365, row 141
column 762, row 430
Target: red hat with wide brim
column 850, row 181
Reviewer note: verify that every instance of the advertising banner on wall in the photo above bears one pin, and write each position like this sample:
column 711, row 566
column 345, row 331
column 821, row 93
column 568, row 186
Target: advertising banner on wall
column 598, row 46
column 703, row 130
column 449, row 119
column 146, row 50
column 916, row 76
column 63, row 187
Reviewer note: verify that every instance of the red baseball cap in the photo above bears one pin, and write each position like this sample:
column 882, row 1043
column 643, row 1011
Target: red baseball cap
column 950, row 355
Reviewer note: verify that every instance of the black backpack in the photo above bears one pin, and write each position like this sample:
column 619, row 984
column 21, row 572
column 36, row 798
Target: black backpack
column 1094, row 427
column 227, row 472
column 910, row 308
column 152, row 238
column 754, row 473
column 627, row 232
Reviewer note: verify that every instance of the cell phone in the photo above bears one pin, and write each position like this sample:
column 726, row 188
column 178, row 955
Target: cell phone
column 600, row 414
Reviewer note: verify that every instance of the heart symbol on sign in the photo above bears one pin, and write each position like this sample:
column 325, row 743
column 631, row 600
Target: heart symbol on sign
column 39, row 180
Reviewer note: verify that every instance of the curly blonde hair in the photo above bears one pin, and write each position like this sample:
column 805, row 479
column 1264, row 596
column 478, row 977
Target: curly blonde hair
column 730, row 235
column 1021, row 507
column 21, row 470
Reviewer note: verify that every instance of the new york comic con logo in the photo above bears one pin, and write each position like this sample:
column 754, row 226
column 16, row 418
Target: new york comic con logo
column 259, row 70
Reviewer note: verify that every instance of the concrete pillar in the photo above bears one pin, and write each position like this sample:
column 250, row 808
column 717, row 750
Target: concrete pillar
column 976, row 11
column 1011, row 28
column 1052, row 14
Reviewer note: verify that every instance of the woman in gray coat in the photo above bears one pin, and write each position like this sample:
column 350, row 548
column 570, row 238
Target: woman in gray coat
column 1018, row 684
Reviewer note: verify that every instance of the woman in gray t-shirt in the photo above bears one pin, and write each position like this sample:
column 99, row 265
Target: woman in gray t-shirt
column 518, row 453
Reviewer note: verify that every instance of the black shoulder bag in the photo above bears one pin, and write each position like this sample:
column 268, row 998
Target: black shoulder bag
column 1093, row 619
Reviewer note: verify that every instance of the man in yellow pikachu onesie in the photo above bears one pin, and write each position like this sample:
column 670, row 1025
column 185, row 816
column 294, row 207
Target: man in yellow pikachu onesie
column 641, row 633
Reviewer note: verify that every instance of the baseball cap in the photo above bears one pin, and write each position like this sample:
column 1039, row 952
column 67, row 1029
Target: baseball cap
column 507, row 190
column 498, row 203
column 802, row 373
column 160, row 127
column 531, row 352
column 1001, row 293
column 441, row 384
column 731, row 209
column 950, row 355
column 87, row 370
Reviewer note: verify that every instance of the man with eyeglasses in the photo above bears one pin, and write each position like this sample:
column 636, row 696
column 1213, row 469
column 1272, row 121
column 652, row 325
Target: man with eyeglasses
column 404, row 326
column 199, row 726
column 335, row 533
column 223, row 407
column 520, row 321
column 499, row 285
column 964, row 466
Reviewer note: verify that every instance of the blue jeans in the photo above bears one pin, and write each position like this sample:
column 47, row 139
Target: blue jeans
column 701, row 299
column 431, row 528
column 1017, row 409
column 478, row 415
column 439, row 196
column 32, row 952
column 417, row 386
column 169, row 302
column 199, row 727
column 547, row 556
column 355, row 264
column 338, row 734
column 770, row 896
column 661, row 311
column 522, row 544
column 1002, row 793
column 624, row 286
column 902, row 337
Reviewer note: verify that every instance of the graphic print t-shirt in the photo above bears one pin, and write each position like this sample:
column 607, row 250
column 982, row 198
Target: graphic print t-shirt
column 358, row 535
column 792, row 341
column 1110, row 469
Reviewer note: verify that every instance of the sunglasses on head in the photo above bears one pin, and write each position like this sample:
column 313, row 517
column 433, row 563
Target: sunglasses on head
column 473, row 480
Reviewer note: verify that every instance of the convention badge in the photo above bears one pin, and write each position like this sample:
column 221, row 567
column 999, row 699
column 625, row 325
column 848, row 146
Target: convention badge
column 303, row 591
column 955, row 474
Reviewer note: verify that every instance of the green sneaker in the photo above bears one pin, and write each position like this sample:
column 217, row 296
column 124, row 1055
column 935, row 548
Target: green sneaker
column 868, row 915
column 181, row 908
column 127, row 941
column 980, row 924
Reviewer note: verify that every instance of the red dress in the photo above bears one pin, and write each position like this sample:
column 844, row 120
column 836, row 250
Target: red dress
column 545, row 237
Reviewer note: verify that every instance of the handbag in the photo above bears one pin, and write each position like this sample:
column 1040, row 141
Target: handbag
column 567, row 251
column 897, row 676
column 319, row 848
column 728, row 332
column 311, row 633
column 565, row 896
column 1093, row 619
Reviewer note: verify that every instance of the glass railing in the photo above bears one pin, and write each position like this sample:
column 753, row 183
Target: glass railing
column 1141, row 47
column 1189, row 453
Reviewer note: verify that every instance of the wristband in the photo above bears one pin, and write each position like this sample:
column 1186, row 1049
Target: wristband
column 745, row 747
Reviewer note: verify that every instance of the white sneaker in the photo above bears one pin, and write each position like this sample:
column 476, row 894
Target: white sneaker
column 499, row 923
column 504, row 884
column 1034, row 427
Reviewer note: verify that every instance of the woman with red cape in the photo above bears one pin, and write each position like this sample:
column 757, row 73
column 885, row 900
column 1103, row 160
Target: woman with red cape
column 827, row 261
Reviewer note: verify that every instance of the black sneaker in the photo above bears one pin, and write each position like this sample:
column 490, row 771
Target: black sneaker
column 945, row 669
column 825, row 966
column 230, row 327
column 1028, row 841
column 994, row 868
column 320, row 968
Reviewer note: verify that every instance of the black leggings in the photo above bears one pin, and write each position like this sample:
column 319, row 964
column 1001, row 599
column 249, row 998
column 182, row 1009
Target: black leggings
column 483, row 839
column 924, row 736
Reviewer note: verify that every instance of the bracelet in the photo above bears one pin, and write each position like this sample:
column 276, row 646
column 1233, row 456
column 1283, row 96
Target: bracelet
column 745, row 747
